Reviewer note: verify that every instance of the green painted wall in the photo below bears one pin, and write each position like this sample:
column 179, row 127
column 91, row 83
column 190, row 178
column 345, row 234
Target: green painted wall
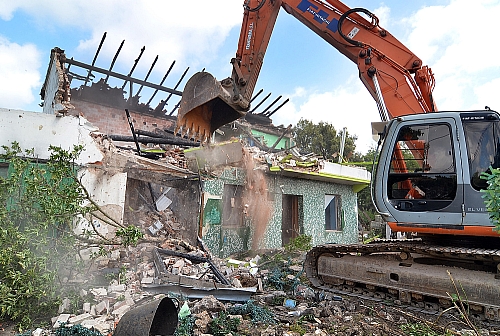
column 223, row 241
column 270, row 139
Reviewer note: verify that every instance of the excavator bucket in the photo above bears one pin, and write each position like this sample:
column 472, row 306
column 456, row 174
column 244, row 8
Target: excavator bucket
column 205, row 106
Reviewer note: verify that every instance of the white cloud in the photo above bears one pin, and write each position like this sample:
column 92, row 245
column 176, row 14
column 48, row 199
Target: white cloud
column 457, row 42
column 383, row 14
column 7, row 10
column 348, row 106
column 488, row 94
column 189, row 32
column 19, row 71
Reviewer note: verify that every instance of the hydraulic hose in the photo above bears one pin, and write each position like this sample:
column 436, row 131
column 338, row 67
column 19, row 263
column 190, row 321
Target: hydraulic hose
column 356, row 10
column 259, row 6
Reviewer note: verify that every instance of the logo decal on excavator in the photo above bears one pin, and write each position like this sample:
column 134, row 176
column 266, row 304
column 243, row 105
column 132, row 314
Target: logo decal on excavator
column 321, row 16
column 249, row 36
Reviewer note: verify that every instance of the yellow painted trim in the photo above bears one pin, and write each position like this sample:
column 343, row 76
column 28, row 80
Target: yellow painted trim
column 358, row 187
column 333, row 176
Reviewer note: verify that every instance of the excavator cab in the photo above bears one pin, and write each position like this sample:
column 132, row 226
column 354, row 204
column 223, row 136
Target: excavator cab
column 428, row 175
column 206, row 104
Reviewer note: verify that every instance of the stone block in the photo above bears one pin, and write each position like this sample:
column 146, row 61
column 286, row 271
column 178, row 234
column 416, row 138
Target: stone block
column 102, row 306
column 79, row 318
column 63, row 318
column 86, row 307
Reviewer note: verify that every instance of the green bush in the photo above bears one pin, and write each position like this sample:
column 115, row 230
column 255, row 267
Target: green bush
column 223, row 324
column 491, row 195
column 39, row 204
column 301, row 243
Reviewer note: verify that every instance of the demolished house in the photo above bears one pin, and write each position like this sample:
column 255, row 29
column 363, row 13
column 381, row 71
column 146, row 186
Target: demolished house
column 254, row 191
column 249, row 189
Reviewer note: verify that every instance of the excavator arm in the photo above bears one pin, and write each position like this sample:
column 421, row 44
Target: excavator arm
column 393, row 75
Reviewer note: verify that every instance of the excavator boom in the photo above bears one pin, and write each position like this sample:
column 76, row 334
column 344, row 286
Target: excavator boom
column 393, row 75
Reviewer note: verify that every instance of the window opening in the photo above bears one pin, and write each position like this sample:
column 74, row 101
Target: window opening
column 483, row 149
column 423, row 168
column 333, row 213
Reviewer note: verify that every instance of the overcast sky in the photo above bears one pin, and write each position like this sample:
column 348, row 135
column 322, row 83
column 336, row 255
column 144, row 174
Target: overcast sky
column 456, row 38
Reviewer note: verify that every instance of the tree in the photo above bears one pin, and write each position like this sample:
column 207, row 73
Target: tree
column 322, row 139
column 39, row 204
column 366, row 209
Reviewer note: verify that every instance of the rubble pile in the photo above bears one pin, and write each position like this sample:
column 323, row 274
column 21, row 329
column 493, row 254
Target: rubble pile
column 175, row 156
column 282, row 302
column 287, row 159
column 159, row 223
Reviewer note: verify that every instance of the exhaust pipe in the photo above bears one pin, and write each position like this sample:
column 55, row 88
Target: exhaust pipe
column 206, row 105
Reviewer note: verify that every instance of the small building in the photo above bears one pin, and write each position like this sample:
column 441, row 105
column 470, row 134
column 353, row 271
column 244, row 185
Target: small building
column 254, row 199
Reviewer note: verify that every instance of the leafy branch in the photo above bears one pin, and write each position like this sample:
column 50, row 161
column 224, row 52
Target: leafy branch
column 40, row 202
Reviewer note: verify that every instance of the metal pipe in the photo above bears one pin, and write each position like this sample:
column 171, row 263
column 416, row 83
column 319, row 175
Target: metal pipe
column 175, row 87
column 281, row 137
column 166, row 141
column 149, row 72
column 154, row 135
column 263, row 100
column 161, row 83
column 175, row 107
column 256, row 95
column 133, row 133
column 342, row 144
column 274, row 102
column 276, row 109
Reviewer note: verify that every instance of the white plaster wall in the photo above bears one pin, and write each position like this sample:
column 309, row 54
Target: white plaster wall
column 337, row 169
column 108, row 191
column 39, row 130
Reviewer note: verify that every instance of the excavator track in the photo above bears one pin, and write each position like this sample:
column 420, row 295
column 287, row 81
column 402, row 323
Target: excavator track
column 423, row 277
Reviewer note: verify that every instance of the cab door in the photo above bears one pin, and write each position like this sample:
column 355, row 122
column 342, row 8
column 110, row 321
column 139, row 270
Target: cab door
column 482, row 140
column 421, row 181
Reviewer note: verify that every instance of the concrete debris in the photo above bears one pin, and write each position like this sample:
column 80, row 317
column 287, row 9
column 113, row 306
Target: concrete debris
column 79, row 318
column 294, row 310
column 256, row 285
column 63, row 318
column 208, row 303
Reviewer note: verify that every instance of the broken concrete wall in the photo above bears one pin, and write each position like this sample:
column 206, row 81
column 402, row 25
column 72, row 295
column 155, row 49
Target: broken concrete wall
column 111, row 120
column 183, row 206
column 39, row 130
column 112, row 177
column 56, row 88
column 108, row 190
column 225, row 237
column 211, row 157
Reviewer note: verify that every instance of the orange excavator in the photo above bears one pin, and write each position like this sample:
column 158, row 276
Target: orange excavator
column 427, row 179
